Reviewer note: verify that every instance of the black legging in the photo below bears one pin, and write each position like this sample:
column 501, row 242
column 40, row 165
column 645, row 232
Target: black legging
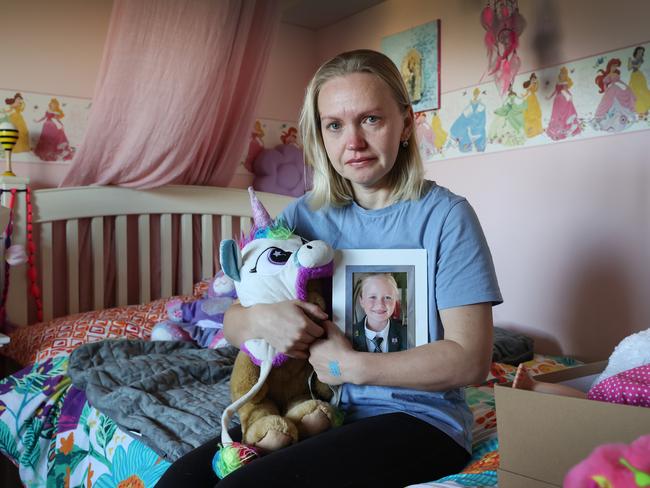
column 389, row 450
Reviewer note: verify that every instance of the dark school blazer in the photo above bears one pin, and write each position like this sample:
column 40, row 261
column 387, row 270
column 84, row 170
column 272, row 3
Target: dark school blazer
column 396, row 336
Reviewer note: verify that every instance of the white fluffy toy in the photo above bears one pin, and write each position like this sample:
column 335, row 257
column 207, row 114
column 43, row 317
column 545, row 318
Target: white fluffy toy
column 631, row 352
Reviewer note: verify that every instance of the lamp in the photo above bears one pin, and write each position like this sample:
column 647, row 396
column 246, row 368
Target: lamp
column 8, row 139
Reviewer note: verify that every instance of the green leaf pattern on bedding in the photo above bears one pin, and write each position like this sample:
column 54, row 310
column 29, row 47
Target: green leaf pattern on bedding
column 58, row 440
column 7, row 442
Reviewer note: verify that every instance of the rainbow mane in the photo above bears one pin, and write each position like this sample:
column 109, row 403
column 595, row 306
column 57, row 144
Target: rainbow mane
column 278, row 230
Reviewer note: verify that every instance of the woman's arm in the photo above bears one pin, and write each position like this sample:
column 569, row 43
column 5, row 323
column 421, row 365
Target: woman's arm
column 461, row 358
column 290, row 327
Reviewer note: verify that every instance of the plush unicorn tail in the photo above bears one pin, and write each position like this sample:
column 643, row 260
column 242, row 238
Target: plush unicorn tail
column 265, row 369
column 234, row 455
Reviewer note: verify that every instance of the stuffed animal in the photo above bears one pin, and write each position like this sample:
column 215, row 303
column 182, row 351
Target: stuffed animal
column 613, row 465
column 278, row 398
column 200, row 320
column 632, row 352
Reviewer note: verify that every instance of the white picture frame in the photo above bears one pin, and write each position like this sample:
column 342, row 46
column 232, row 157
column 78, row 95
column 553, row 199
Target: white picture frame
column 407, row 266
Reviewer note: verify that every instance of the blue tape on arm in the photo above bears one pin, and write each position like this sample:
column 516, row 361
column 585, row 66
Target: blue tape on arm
column 334, row 368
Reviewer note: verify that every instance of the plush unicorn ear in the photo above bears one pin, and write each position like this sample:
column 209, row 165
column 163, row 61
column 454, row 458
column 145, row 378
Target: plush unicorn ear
column 230, row 258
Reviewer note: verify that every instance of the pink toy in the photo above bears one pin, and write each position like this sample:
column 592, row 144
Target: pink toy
column 614, row 466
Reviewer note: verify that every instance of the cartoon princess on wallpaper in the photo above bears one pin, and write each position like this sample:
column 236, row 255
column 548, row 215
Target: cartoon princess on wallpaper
column 255, row 145
column 469, row 128
column 616, row 110
column 532, row 112
column 439, row 134
column 15, row 115
column 290, row 136
column 507, row 127
column 53, row 144
column 638, row 82
column 564, row 118
column 431, row 137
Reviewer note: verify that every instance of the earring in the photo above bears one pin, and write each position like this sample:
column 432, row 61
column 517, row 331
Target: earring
column 405, row 144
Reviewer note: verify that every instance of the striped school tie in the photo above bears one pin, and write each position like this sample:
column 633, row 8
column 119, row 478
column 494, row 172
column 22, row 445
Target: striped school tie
column 377, row 342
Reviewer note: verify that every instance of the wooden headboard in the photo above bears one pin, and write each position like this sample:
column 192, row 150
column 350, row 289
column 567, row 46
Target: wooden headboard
column 225, row 209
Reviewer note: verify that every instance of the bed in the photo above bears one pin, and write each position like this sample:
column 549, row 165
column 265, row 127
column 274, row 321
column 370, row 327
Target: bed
column 162, row 243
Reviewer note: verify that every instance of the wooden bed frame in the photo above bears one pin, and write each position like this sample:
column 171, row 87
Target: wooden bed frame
column 225, row 209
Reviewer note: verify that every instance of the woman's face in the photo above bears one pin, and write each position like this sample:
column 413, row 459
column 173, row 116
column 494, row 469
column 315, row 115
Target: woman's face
column 362, row 127
column 378, row 300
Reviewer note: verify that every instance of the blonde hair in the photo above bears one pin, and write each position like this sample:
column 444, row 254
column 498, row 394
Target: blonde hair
column 57, row 107
column 406, row 178
column 564, row 76
column 387, row 276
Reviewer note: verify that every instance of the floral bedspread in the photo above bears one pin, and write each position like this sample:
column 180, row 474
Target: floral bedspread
column 57, row 439
column 48, row 429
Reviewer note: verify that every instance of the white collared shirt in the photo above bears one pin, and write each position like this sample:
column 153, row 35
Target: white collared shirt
column 371, row 334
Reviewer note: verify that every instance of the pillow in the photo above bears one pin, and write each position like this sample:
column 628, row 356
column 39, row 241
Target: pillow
column 280, row 170
column 63, row 334
column 511, row 348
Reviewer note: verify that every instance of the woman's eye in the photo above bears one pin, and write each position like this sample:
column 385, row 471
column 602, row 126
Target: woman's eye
column 333, row 126
column 372, row 119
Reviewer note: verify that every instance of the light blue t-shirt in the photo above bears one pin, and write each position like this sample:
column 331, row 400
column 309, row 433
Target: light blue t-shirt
column 460, row 272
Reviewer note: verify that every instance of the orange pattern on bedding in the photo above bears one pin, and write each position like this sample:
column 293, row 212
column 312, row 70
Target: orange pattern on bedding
column 61, row 335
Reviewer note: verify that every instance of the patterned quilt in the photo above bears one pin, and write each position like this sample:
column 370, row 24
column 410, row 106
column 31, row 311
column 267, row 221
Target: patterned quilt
column 49, row 430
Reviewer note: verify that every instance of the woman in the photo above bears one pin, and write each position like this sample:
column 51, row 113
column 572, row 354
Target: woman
column 406, row 419
column 532, row 112
column 564, row 118
column 638, row 82
column 615, row 111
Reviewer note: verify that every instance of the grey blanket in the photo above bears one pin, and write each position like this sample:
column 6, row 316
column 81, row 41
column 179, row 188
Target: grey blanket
column 170, row 395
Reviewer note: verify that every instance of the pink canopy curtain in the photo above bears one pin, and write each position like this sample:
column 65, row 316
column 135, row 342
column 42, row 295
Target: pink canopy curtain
column 174, row 103
column 176, row 92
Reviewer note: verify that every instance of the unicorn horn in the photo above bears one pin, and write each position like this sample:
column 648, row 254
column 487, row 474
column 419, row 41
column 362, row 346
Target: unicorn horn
column 260, row 216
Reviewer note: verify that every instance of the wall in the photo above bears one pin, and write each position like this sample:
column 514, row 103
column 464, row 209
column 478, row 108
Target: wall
column 568, row 224
column 56, row 48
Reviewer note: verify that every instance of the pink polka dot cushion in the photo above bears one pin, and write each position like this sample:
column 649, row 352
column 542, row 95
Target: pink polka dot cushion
column 631, row 387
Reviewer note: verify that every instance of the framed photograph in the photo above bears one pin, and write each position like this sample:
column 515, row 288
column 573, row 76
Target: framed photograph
column 381, row 293
column 416, row 53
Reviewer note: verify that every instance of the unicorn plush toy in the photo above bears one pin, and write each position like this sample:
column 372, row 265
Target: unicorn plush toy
column 278, row 398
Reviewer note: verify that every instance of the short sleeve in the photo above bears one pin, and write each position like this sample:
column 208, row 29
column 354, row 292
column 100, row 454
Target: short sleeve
column 289, row 214
column 464, row 271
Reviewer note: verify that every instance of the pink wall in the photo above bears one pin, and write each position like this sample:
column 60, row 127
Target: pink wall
column 56, row 47
column 568, row 223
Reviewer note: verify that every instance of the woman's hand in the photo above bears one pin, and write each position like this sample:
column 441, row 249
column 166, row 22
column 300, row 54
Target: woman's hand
column 290, row 327
column 330, row 356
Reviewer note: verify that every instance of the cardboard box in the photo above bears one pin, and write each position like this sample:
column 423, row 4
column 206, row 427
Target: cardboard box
column 542, row 436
